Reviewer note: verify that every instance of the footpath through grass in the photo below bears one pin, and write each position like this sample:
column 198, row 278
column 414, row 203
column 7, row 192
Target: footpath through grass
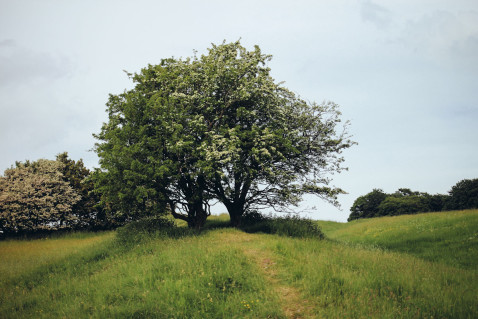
column 227, row 273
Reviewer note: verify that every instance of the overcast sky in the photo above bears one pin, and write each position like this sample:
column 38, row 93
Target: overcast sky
column 405, row 73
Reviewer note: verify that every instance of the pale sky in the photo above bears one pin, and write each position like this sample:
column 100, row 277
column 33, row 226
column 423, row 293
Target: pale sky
column 405, row 73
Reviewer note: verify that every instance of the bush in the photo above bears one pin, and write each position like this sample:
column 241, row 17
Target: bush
column 290, row 225
column 251, row 218
column 149, row 228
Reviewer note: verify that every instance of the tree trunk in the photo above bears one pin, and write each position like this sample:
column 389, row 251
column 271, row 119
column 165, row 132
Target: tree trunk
column 235, row 220
column 199, row 219
column 196, row 217
column 196, row 214
column 235, row 213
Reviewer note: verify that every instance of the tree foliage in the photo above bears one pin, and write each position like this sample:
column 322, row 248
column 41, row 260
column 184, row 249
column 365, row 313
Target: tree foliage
column 463, row 195
column 87, row 211
column 401, row 205
column 216, row 127
column 367, row 206
column 34, row 196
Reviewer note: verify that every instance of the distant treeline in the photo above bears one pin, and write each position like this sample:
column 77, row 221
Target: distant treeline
column 464, row 195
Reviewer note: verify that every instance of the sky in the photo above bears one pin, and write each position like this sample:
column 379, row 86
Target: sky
column 405, row 74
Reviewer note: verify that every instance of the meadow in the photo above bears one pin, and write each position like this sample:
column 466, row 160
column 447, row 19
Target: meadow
column 415, row 266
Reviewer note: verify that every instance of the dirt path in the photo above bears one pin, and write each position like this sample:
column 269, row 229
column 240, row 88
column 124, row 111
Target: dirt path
column 293, row 304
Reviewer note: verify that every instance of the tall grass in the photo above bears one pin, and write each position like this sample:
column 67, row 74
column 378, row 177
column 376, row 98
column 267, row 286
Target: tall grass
column 20, row 256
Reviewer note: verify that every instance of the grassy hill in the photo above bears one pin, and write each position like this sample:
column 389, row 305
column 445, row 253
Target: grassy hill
column 446, row 237
column 416, row 266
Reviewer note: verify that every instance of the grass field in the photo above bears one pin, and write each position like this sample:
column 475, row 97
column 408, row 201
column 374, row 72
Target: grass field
column 418, row 266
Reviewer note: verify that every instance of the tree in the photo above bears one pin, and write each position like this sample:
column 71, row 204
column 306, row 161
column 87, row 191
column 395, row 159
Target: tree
column 438, row 202
column 34, row 196
column 401, row 205
column 464, row 195
column 149, row 148
column 266, row 147
column 86, row 210
column 367, row 206
column 216, row 127
column 403, row 192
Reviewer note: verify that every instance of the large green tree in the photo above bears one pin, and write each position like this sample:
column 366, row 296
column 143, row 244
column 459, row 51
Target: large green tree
column 216, row 127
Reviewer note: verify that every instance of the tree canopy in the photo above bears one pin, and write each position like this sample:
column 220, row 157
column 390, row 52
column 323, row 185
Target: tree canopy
column 216, row 128
column 367, row 206
column 464, row 194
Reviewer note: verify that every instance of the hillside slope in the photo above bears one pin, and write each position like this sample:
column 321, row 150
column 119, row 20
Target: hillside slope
column 447, row 237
